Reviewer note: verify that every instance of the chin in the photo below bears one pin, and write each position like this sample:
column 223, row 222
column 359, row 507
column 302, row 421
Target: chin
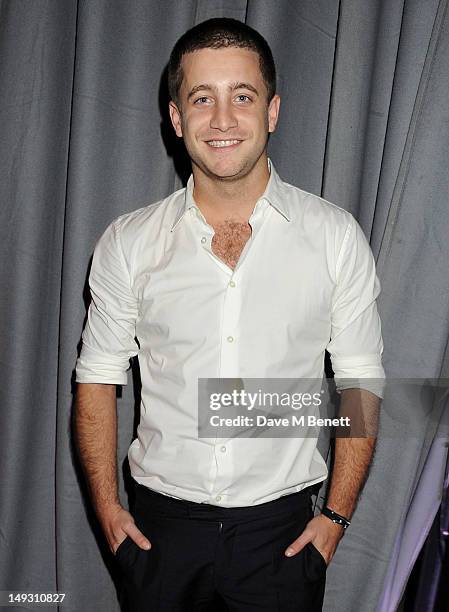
column 220, row 168
column 229, row 173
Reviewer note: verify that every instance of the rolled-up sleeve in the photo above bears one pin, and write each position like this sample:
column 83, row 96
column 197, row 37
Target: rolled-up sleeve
column 356, row 341
column 108, row 340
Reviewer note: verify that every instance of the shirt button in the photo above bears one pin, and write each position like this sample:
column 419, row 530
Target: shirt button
column 231, row 284
column 203, row 239
column 218, row 498
column 230, row 339
column 223, row 449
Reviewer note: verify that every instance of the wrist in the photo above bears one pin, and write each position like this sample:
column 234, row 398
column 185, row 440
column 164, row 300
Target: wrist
column 106, row 510
column 336, row 518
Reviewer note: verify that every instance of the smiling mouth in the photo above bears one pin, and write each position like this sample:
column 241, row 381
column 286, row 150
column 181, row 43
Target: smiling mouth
column 220, row 144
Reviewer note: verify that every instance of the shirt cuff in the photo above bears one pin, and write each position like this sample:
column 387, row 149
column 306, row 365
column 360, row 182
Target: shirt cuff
column 94, row 369
column 361, row 372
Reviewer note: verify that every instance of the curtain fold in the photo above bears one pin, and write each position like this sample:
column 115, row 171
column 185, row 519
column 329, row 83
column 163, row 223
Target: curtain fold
column 86, row 137
column 37, row 45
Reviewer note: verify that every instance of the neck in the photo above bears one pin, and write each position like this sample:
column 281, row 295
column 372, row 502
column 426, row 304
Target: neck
column 230, row 200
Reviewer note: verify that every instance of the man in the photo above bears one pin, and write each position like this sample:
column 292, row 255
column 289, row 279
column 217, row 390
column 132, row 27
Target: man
column 238, row 275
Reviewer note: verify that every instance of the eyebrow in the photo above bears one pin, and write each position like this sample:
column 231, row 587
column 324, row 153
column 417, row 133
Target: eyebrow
column 231, row 87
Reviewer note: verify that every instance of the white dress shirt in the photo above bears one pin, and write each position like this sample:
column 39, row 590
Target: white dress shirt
column 305, row 282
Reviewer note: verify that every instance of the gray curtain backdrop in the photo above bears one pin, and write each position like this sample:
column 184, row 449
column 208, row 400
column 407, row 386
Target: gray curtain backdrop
column 85, row 137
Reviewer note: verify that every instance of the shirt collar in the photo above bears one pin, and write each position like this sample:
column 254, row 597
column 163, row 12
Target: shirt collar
column 274, row 194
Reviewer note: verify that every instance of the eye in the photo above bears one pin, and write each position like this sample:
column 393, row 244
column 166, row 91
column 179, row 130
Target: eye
column 201, row 99
column 244, row 96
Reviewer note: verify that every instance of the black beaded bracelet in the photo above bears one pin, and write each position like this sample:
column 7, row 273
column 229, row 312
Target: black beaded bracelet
column 336, row 518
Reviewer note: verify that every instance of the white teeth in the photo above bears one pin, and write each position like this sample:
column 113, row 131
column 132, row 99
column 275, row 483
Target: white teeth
column 222, row 143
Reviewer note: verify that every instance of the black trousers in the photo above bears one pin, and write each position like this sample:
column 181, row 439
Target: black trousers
column 205, row 557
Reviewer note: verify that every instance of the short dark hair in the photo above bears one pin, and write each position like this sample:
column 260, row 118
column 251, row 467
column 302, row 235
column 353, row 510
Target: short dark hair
column 216, row 33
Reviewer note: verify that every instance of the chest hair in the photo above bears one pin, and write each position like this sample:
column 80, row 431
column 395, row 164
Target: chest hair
column 229, row 240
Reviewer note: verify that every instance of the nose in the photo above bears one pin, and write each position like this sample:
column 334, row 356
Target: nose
column 223, row 117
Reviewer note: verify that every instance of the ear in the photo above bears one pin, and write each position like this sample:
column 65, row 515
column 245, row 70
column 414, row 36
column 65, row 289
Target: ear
column 175, row 116
column 273, row 112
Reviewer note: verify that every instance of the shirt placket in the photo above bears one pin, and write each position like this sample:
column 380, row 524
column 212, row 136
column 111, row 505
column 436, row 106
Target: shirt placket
column 229, row 365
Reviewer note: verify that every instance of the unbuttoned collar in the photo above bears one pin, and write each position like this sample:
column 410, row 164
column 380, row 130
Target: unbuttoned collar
column 275, row 193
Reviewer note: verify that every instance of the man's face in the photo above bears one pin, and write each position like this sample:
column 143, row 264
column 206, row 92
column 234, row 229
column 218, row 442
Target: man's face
column 224, row 116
